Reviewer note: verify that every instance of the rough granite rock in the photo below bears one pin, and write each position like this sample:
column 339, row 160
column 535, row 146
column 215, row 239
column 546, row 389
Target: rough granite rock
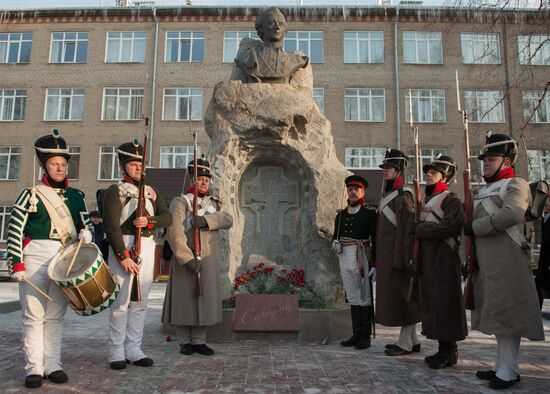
column 276, row 170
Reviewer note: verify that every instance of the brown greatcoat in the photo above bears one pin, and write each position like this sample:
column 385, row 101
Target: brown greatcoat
column 394, row 250
column 443, row 315
column 181, row 306
column 504, row 292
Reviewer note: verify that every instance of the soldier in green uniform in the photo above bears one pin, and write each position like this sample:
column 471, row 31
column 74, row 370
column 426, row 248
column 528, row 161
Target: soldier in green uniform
column 354, row 242
column 43, row 219
column 118, row 206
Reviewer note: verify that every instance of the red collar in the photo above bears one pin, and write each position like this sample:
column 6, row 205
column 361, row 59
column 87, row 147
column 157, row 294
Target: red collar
column 506, row 173
column 46, row 181
column 127, row 179
column 437, row 188
column 397, row 182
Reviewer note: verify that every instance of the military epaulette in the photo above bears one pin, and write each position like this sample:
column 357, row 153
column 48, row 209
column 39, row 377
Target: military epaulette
column 369, row 207
column 78, row 191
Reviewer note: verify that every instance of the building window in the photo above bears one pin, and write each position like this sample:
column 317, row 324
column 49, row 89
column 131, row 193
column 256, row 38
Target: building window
column 125, row 47
column 122, row 103
column 363, row 47
column 73, row 169
column 15, row 47
column 231, row 42
column 427, row 155
column 538, row 165
column 108, row 164
column 476, row 177
column 12, row 104
column 64, row 104
column 480, row 48
column 364, row 158
column 179, row 103
column 536, row 106
column 484, row 106
column 5, row 212
column 420, row 47
column 428, row 106
column 184, row 46
column 365, row 105
column 176, row 156
column 534, row 50
column 319, row 98
column 10, row 160
column 310, row 43
column 69, row 48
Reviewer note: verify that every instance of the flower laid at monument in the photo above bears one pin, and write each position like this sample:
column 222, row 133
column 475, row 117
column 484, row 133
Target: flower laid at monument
column 266, row 279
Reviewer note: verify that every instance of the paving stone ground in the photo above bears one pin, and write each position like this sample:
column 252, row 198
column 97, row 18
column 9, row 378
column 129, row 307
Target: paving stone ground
column 262, row 367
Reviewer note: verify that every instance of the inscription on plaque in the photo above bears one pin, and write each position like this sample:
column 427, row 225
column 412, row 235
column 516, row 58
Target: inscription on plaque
column 266, row 312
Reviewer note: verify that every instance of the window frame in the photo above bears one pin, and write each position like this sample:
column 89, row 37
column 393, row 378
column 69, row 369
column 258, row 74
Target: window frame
column 61, row 96
column 429, row 158
column 543, row 53
column 192, row 39
column 543, row 155
column 473, row 113
column 376, row 153
column 121, row 39
column 5, row 213
column 319, row 99
column 416, row 107
column 14, row 97
column 536, row 95
column 472, row 47
column 189, row 104
column 64, row 42
column 423, row 36
column 299, row 40
column 10, row 156
column 359, row 97
column 369, row 41
column 250, row 34
column 20, row 41
column 172, row 155
column 117, row 103
column 115, row 167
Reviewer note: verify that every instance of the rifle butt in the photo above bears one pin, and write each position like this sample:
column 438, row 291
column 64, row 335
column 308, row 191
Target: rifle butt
column 198, row 285
column 412, row 292
column 469, row 302
column 135, row 294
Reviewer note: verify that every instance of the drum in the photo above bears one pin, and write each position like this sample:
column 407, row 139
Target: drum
column 90, row 287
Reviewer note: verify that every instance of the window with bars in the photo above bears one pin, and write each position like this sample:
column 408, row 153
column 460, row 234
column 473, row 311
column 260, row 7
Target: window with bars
column 484, row 106
column 182, row 104
column 122, row 103
column 365, row 105
column 69, row 47
column 10, row 161
column 428, row 106
column 15, row 47
column 176, row 156
column 73, row 169
column 108, row 164
column 534, row 50
column 125, row 47
column 426, row 157
column 538, row 165
column 536, row 106
column 310, row 43
column 319, row 98
column 231, row 42
column 184, row 46
column 357, row 158
column 12, row 104
column 364, row 47
column 421, row 47
column 480, row 48
column 64, row 104
column 5, row 212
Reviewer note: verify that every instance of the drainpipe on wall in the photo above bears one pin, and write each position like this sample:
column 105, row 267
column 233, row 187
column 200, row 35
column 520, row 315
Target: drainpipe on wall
column 154, row 87
column 396, row 79
column 507, row 74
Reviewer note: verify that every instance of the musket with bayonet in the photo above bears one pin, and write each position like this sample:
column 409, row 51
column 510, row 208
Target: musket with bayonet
column 414, row 264
column 196, row 230
column 471, row 260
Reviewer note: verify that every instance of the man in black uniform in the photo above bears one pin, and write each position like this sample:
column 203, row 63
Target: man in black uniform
column 353, row 241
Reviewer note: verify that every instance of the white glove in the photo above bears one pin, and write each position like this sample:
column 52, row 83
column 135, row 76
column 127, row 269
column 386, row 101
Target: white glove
column 85, row 235
column 20, row 276
column 337, row 246
column 372, row 274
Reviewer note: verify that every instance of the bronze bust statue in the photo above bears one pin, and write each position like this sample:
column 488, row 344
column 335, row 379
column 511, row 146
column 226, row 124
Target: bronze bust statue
column 266, row 61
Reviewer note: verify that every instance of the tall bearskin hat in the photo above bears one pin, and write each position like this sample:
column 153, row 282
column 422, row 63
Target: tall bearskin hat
column 203, row 168
column 499, row 145
column 395, row 158
column 130, row 151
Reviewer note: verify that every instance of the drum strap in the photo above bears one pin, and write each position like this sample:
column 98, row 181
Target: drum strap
column 59, row 213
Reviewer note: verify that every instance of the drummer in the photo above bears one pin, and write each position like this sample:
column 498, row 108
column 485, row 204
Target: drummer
column 43, row 219
column 120, row 223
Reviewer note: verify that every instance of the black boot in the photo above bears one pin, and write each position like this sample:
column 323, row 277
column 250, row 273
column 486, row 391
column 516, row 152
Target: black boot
column 447, row 356
column 355, row 324
column 365, row 328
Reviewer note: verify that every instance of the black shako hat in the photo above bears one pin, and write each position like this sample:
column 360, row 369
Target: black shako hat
column 444, row 164
column 356, row 181
column 499, row 145
column 395, row 158
column 130, row 151
column 51, row 145
column 203, row 168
